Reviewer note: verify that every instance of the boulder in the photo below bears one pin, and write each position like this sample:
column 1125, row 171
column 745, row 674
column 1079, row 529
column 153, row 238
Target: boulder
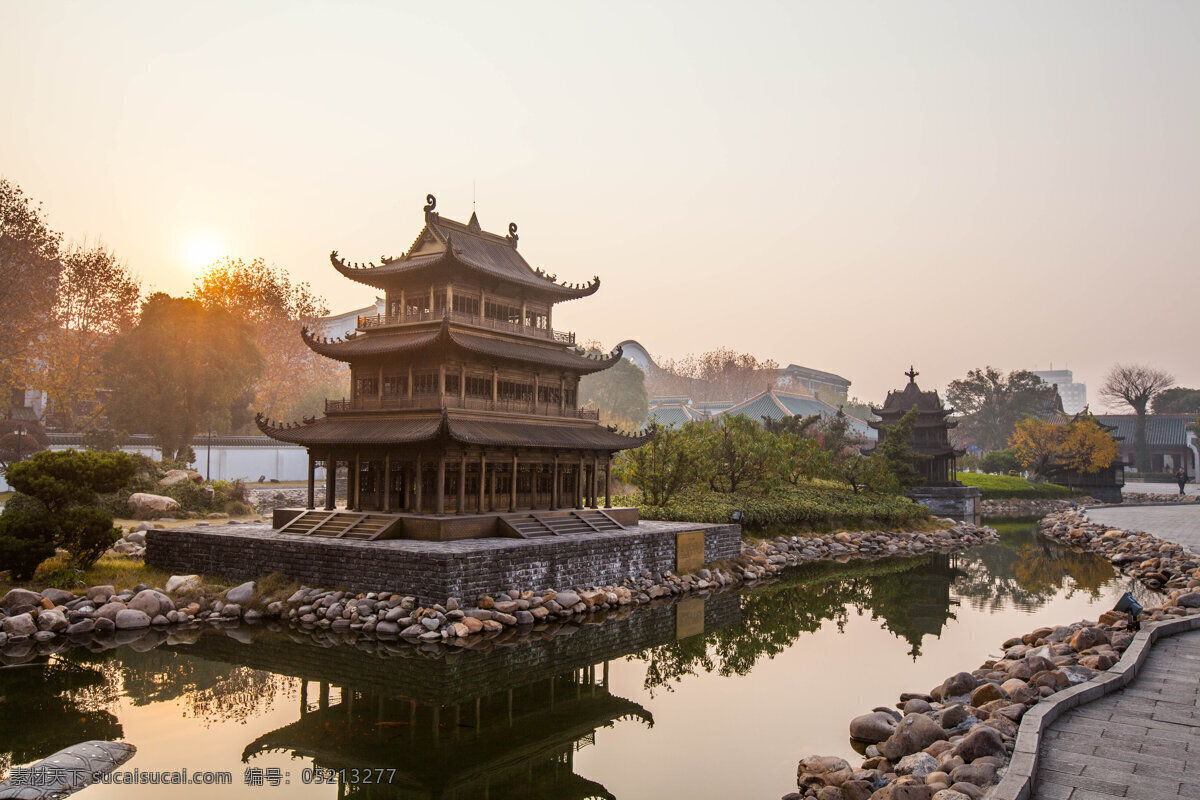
column 977, row 774
column 132, row 619
column 81, row 627
column 951, row 794
column 914, row 733
column 959, row 684
column 918, row 765
column 242, row 593
column 980, row 742
column 823, row 771
column 144, row 504
column 567, row 599
column 1087, row 638
column 99, row 595
column 52, row 620
column 953, row 716
column 109, row 610
column 20, row 625
column 986, row 693
column 151, row 603
column 1189, row 600
column 872, row 728
column 58, row 597
column 175, row 477
column 137, row 537
column 181, row 583
column 20, row 597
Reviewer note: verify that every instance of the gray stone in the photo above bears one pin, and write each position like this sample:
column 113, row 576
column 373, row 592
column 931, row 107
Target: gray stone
column 52, row 620
column 104, row 625
column 151, row 603
column 160, row 620
column 981, row 741
column 386, row 628
column 566, row 599
column 60, row 597
column 131, row 618
column 914, row 733
column 44, row 636
column 524, row 618
column 137, row 537
column 977, row 774
column 918, row 765
column 1189, row 600
column 100, row 594
column 241, row 594
column 179, row 583
column 231, row 611
column 20, row 625
column 872, row 728
column 953, row 716
column 817, row 771
column 81, row 627
column 431, row 623
column 20, row 597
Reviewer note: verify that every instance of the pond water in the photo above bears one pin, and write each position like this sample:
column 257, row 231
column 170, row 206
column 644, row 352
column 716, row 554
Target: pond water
column 706, row 698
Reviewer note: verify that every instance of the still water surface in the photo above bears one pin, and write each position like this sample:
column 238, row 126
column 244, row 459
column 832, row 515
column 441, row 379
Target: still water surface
column 641, row 707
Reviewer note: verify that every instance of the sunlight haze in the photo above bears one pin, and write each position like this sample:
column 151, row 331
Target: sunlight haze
column 851, row 187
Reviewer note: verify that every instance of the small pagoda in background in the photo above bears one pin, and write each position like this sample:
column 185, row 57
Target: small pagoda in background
column 463, row 398
column 942, row 492
column 931, row 434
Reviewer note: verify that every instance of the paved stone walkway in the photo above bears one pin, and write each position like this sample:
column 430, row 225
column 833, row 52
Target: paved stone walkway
column 1176, row 523
column 1142, row 741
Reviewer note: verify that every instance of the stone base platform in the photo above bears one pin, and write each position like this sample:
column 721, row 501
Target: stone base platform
column 448, row 527
column 961, row 502
column 434, row 571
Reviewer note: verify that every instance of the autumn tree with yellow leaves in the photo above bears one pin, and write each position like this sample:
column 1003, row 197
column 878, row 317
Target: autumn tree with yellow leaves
column 1049, row 447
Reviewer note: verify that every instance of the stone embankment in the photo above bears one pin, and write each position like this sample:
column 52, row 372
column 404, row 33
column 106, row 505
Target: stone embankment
column 1134, row 498
column 1030, row 507
column 187, row 601
column 956, row 741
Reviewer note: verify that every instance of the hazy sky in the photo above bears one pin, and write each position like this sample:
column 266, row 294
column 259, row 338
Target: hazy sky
column 847, row 186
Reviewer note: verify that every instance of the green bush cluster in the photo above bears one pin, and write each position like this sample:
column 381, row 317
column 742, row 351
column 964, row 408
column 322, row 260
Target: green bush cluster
column 1007, row 487
column 57, row 505
column 815, row 508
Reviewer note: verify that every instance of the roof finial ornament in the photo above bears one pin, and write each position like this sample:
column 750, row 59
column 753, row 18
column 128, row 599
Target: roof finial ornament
column 512, row 233
column 430, row 204
column 912, row 374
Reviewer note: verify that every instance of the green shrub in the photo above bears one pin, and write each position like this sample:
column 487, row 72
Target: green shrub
column 25, row 542
column 814, row 508
column 1000, row 462
column 1006, row 487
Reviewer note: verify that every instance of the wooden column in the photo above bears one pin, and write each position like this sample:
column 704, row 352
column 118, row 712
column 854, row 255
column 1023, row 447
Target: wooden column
column 431, row 301
column 419, row 478
column 462, row 385
column 440, row 506
column 450, row 297
column 492, row 489
column 482, row 481
column 608, row 482
column 379, row 386
column 554, row 490
column 387, row 481
column 577, row 500
column 495, row 384
column 562, row 394
column 594, row 486
column 403, row 307
column 462, row 484
column 523, row 312
column 330, row 481
column 312, row 481
column 512, row 500
column 535, row 392
column 410, row 381
column 357, row 481
column 442, row 381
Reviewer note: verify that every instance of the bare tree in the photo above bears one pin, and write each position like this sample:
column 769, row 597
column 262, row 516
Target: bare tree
column 1135, row 386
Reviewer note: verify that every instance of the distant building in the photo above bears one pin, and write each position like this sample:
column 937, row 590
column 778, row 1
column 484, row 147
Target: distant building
column 338, row 325
column 1169, row 437
column 770, row 404
column 1074, row 395
column 812, row 380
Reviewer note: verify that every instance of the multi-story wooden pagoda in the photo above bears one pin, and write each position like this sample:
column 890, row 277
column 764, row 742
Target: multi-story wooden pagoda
column 931, row 434
column 463, row 399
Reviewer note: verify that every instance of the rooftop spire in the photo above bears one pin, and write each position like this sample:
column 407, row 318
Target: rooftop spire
column 912, row 374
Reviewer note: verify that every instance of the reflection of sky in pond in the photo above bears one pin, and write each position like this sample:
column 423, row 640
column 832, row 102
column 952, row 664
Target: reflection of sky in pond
column 778, row 675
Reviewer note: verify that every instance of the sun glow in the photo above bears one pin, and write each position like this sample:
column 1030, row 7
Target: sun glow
column 201, row 250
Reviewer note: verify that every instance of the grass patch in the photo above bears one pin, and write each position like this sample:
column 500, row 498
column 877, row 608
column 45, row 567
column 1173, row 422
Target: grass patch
column 816, row 508
column 1008, row 487
column 117, row 571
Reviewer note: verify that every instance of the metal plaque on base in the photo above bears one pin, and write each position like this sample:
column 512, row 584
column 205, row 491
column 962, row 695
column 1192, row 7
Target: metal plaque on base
column 689, row 552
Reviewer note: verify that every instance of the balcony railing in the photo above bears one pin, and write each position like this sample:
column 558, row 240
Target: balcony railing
column 479, row 321
column 432, row 401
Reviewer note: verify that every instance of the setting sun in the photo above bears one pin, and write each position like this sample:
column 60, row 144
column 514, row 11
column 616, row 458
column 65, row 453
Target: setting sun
column 201, row 250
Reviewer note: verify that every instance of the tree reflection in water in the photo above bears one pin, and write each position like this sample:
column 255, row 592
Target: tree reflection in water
column 53, row 703
column 911, row 597
column 211, row 691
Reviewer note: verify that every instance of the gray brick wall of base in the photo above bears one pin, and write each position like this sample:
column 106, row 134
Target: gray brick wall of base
column 432, row 571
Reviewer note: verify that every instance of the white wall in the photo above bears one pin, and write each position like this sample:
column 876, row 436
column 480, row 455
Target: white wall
column 282, row 462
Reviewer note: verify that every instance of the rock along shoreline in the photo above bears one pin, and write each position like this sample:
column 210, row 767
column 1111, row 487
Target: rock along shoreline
column 955, row 742
column 39, row 623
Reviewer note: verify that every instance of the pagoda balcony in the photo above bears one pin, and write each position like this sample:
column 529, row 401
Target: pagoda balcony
column 476, row 320
column 434, row 401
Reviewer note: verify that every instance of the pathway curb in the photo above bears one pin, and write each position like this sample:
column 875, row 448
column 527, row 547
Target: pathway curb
column 1018, row 781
